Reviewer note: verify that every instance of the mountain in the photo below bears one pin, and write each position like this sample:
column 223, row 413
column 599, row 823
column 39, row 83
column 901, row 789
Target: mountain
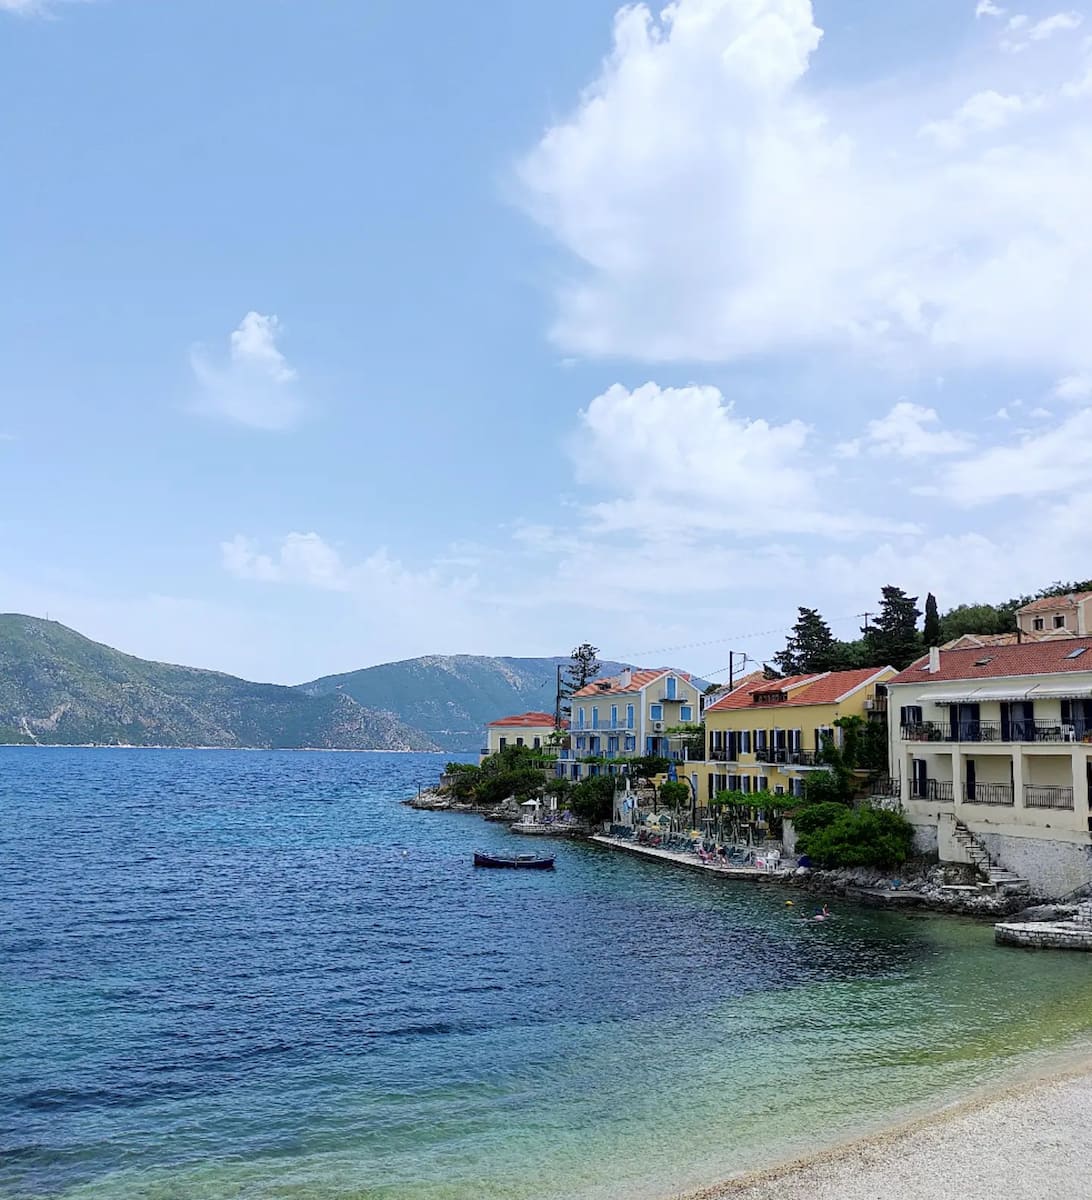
column 451, row 698
column 60, row 688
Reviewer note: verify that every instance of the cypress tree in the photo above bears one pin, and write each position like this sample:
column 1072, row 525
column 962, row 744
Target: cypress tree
column 932, row 635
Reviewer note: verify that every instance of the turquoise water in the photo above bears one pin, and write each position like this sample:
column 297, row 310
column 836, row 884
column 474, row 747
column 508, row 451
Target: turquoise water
column 232, row 974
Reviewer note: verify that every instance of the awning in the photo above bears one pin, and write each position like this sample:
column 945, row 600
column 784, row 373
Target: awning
column 1072, row 691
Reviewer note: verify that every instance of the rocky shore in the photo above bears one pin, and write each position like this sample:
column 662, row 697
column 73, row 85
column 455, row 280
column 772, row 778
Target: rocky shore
column 436, row 800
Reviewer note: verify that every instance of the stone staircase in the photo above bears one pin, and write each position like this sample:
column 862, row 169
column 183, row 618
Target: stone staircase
column 994, row 878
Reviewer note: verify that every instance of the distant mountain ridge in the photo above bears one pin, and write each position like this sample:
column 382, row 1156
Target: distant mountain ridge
column 450, row 698
column 59, row 688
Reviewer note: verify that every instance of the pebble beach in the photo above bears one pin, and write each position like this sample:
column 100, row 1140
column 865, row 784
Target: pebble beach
column 1031, row 1140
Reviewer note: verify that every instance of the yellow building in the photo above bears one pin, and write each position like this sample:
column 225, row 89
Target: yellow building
column 765, row 735
column 532, row 729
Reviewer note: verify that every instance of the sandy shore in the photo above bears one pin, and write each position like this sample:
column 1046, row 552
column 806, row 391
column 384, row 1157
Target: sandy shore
column 1031, row 1141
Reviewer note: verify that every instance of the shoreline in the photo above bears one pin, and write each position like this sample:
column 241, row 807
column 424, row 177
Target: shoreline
column 1003, row 1138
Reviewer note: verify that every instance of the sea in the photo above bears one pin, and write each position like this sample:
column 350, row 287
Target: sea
column 232, row 974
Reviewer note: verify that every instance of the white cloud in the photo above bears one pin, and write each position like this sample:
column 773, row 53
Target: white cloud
column 1074, row 387
column 986, row 8
column 717, row 205
column 1040, row 463
column 34, row 8
column 255, row 386
column 301, row 558
column 682, row 459
column 905, row 433
column 1058, row 23
column 983, row 112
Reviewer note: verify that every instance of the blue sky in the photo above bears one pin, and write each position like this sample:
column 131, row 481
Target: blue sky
column 342, row 332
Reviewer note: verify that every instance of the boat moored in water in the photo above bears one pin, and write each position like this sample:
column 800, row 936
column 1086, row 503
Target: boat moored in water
column 532, row 862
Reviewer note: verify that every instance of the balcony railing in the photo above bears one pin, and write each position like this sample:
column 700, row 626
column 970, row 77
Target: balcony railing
column 1037, row 795
column 792, row 758
column 938, row 790
column 720, row 756
column 1018, row 730
column 997, row 794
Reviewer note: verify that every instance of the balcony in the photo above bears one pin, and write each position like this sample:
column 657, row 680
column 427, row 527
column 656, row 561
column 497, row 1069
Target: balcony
column 790, row 758
column 1030, row 730
column 997, row 795
column 721, row 756
column 938, row 790
column 1040, row 796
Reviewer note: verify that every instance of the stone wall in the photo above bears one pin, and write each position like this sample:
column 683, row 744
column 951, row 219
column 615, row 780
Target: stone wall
column 1052, row 868
column 1044, row 937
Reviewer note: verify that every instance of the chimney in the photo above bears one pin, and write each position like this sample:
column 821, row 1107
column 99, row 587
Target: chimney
column 934, row 659
column 625, row 680
column 1082, row 616
column 1019, row 636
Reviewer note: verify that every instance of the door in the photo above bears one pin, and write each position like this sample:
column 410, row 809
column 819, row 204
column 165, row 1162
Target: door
column 964, row 719
column 971, row 779
column 920, row 786
column 1017, row 721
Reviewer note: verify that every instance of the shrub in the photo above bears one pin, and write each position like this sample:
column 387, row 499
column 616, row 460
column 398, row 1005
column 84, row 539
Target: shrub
column 593, row 799
column 495, row 787
column 810, row 818
column 864, row 837
column 828, row 787
column 674, row 794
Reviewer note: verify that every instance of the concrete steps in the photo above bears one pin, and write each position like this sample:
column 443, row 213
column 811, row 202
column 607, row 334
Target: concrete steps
column 995, row 879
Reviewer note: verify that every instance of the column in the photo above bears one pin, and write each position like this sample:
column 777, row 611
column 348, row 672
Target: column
column 957, row 776
column 907, row 779
column 1018, row 779
column 1080, row 786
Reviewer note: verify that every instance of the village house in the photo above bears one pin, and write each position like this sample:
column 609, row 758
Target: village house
column 532, row 729
column 994, row 744
column 626, row 716
column 1058, row 615
column 766, row 735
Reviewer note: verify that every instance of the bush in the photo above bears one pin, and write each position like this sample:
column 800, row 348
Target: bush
column 648, row 765
column 864, row 837
column 593, row 799
column 674, row 794
column 462, row 780
column 813, row 817
column 496, row 786
column 828, row 787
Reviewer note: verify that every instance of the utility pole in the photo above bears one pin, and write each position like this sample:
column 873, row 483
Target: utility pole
column 866, row 616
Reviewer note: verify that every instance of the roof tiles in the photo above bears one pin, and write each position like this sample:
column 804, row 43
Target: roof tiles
column 997, row 662
column 529, row 720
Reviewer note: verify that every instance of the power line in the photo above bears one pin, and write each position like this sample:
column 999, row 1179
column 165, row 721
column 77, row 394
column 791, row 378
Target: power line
column 732, row 638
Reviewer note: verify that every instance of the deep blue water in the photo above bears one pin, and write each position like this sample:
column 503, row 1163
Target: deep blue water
column 249, row 974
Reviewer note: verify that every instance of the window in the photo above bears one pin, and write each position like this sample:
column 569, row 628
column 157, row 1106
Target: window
column 537, row 743
column 503, row 743
column 760, row 739
column 672, row 687
column 745, row 742
column 656, row 712
column 762, row 783
column 580, row 717
column 1059, row 621
column 614, row 716
column 686, row 713
column 1077, row 653
column 1038, row 623
column 612, row 745
column 519, row 741
column 629, row 716
column 910, row 714
column 595, row 716
column 631, row 742
column 581, row 743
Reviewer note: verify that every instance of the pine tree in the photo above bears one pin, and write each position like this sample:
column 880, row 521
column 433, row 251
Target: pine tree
column 583, row 667
column 893, row 638
column 931, row 635
column 811, row 646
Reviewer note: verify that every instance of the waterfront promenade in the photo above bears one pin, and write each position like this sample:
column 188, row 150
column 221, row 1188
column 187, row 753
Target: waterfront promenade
column 681, row 859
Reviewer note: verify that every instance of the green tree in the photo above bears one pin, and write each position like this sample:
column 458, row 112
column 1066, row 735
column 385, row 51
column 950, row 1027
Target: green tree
column 810, row 647
column 813, row 817
column 592, row 799
column 931, row 635
column 978, row 618
column 583, row 667
column 648, row 765
column 893, row 638
column 863, row 837
column 674, row 794
column 462, row 780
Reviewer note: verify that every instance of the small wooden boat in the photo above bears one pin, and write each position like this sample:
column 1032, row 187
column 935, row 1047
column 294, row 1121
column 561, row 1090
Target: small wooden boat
column 532, row 862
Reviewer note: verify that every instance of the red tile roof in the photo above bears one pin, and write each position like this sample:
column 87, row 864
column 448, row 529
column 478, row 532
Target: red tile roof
column 997, row 662
column 612, row 685
column 820, row 688
column 1047, row 603
column 530, row 720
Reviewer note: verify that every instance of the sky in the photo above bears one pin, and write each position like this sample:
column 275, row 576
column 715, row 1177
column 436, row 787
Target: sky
column 339, row 332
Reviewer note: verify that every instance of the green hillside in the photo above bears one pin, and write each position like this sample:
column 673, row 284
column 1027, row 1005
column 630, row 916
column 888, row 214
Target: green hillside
column 60, row 688
column 451, row 698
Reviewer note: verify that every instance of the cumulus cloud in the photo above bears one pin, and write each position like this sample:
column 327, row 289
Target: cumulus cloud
column 715, row 204
column 1041, row 463
column 301, row 558
column 1074, row 387
column 907, row 431
column 986, row 8
column 983, row 112
column 255, row 385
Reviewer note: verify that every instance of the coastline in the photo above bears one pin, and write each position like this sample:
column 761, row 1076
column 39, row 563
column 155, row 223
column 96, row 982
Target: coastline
column 1002, row 1139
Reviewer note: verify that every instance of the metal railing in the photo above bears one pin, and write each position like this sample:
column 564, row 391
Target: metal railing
column 886, row 786
column 793, row 758
column 1037, row 795
column 939, row 790
column 720, row 756
column 996, row 794
column 1017, row 730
